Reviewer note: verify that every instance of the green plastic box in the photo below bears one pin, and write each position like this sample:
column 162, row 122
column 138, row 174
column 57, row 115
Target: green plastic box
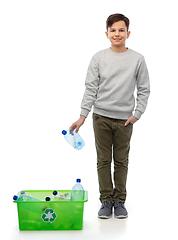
column 52, row 215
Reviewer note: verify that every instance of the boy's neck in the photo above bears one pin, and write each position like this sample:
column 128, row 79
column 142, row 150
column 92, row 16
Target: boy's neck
column 120, row 49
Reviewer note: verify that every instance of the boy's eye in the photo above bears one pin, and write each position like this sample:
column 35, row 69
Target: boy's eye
column 122, row 30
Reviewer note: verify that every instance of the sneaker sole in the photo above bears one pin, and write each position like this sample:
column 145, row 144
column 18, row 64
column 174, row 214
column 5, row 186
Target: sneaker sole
column 120, row 216
column 104, row 216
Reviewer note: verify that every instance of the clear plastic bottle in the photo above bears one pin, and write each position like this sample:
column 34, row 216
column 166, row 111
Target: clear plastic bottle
column 74, row 139
column 24, row 196
column 77, row 193
column 58, row 196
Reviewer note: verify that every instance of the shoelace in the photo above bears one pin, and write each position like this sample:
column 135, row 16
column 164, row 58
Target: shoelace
column 119, row 204
column 107, row 204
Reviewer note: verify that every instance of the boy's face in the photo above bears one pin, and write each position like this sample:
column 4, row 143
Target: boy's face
column 117, row 34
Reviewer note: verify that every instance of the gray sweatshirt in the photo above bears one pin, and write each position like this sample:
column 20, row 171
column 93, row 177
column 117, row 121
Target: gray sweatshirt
column 110, row 84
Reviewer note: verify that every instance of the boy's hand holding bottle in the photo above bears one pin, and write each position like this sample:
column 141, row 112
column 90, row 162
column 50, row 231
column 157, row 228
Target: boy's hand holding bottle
column 76, row 125
column 72, row 137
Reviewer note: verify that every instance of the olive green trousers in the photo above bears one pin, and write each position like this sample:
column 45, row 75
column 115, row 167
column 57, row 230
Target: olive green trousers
column 112, row 140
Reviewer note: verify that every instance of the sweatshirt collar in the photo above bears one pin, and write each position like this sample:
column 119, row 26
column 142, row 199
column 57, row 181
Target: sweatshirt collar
column 118, row 54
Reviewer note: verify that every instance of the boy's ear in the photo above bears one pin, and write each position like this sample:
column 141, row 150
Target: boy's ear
column 128, row 34
column 106, row 34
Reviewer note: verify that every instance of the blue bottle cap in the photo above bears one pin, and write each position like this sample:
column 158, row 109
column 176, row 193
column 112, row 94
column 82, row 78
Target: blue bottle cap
column 78, row 180
column 15, row 197
column 64, row 132
column 79, row 144
column 54, row 193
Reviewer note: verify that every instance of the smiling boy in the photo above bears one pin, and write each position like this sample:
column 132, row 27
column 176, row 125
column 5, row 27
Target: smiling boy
column 112, row 76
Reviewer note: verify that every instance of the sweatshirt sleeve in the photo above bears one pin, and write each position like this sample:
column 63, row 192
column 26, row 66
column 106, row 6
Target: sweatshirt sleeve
column 91, row 87
column 143, row 88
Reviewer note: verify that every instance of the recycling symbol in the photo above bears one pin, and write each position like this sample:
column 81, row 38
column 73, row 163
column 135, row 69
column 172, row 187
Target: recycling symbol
column 49, row 215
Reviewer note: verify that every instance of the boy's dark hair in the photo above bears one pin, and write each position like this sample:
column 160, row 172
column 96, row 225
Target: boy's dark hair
column 115, row 18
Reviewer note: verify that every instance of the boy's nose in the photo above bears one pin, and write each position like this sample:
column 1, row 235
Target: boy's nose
column 117, row 33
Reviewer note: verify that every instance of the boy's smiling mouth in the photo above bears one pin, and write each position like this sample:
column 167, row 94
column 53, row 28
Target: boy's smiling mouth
column 117, row 39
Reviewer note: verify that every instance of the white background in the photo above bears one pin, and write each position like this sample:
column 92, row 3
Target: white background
column 45, row 49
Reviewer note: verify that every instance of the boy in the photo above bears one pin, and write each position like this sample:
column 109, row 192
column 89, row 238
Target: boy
column 110, row 84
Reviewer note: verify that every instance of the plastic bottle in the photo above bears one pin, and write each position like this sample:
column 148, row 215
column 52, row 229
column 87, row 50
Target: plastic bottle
column 74, row 139
column 58, row 196
column 23, row 196
column 77, row 193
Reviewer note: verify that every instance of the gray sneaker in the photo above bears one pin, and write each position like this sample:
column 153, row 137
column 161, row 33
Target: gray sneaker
column 120, row 210
column 105, row 210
